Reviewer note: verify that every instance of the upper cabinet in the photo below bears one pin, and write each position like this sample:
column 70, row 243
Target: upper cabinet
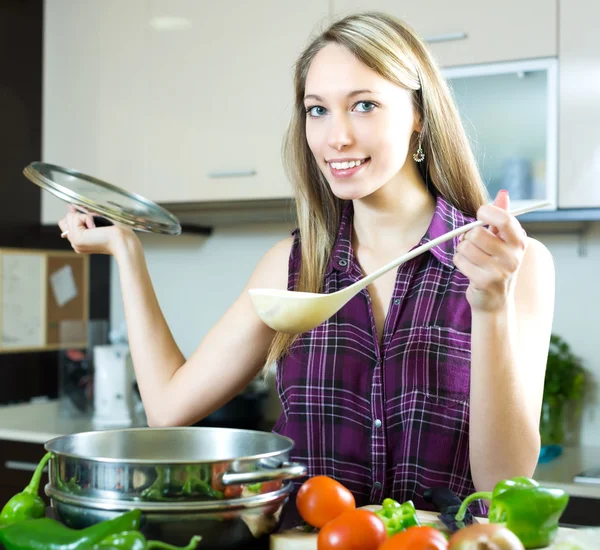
column 177, row 100
column 93, row 92
column 219, row 97
column 579, row 111
column 465, row 32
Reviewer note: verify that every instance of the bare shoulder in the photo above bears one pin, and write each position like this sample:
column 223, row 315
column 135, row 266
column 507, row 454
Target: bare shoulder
column 537, row 256
column 536, row 274
column 272, row 269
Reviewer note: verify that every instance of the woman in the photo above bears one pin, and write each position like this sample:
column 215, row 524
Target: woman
column 432, row 376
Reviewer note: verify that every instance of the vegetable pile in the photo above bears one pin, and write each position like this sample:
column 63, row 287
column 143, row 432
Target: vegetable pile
column 522, row 515
column 24, row 527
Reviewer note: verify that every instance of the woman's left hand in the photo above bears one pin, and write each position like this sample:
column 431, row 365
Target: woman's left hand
column 490, row 257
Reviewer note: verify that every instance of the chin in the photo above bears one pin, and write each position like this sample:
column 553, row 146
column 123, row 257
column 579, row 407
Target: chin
column 349, row 192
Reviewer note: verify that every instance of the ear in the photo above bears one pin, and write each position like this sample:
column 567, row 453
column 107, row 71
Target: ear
column 417, row 124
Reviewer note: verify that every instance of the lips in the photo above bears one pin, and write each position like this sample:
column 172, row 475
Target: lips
column 345, row 168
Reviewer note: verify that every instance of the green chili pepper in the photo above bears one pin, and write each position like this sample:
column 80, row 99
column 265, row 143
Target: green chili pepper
column 531, row 512
column 49, row 534
column 397, row 517
column 27, row 504
column 134, row 540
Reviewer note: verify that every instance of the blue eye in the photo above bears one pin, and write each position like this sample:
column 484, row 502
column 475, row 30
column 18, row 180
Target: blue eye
column 366, row 106
column 316, row 111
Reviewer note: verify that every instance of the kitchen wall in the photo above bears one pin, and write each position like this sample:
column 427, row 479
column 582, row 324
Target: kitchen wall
column 196, row 279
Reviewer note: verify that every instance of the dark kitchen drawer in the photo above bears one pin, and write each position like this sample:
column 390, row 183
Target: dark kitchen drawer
column 17, row 463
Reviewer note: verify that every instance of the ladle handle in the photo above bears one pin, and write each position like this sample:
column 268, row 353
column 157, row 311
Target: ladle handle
column 359, row 285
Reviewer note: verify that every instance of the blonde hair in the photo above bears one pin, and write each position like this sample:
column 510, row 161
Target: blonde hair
column 393, row 50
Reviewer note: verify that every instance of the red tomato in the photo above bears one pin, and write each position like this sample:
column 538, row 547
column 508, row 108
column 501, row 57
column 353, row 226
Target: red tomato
column 356, row 530
column 416, row 538
column 269, row 486
column 321, row 499
column 229, row 491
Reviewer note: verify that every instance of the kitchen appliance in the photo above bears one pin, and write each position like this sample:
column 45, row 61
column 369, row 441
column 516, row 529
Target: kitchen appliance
column 171, row 475
column 76, row 373
column 113, row 386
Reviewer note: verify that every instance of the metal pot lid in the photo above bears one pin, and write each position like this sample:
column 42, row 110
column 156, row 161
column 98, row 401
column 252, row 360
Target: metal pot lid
column 94, row 196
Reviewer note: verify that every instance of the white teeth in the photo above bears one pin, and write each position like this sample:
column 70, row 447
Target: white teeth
column 345, row 165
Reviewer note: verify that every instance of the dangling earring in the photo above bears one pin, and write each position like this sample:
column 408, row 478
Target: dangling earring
column 419, row 156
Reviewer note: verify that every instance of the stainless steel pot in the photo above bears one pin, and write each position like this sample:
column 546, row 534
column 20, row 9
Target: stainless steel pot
column 187, row 481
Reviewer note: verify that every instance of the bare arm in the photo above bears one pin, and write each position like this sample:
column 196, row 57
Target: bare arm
column 511, row 293
column 509, row 355
column 175, row 391
column 179, row 392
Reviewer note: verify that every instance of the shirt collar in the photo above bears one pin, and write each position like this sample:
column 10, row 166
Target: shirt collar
column 445, row 218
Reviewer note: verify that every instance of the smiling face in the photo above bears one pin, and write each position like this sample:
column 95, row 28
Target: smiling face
column 358, row 124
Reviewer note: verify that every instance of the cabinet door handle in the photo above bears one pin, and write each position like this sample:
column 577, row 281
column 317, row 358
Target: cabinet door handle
column 21, row 466
column 449, row 37
column 233, row 174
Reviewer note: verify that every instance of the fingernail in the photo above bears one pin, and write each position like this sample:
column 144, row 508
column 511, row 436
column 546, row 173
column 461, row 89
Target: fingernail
column 503, row 191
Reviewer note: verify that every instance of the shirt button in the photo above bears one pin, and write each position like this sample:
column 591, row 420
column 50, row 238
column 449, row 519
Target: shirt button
column 397, row 302
column 378, row 423
column 377, row 485
column 343, row 263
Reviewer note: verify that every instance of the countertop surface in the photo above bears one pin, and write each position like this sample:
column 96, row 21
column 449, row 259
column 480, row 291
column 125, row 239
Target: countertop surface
column 38, row 422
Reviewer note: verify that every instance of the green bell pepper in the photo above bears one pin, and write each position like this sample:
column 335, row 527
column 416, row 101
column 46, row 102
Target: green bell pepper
column 194, row 484
column 27, row 504
column 531, row 512
column 134, row 540
column 397, row 517
column 49, row 534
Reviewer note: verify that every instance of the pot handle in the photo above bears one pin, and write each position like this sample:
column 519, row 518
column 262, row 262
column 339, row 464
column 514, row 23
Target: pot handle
column 287, row 470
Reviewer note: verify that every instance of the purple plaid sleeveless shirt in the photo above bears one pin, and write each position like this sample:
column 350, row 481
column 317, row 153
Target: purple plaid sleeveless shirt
column 385, row 420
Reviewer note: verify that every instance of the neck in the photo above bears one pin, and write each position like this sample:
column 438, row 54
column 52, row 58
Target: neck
column 401, row 209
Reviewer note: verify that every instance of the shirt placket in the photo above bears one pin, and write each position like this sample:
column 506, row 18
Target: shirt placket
column 379, row 437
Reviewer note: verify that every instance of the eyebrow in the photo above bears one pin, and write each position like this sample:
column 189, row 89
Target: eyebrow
column 350, row 94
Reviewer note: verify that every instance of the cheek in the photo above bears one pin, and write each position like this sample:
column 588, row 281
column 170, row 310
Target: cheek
column 314, row 139
column 396, row 139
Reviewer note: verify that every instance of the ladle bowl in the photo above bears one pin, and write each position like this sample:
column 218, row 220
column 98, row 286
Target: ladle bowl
column 294, row 312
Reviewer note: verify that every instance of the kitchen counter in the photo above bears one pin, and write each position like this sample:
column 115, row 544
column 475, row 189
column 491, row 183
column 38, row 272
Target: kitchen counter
column 38, row 422
column 560, row 472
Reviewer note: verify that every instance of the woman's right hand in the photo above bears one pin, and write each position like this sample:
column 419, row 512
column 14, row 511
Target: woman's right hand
column 86, row 238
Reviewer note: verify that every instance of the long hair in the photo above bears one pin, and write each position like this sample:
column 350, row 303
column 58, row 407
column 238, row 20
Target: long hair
column 393, row 50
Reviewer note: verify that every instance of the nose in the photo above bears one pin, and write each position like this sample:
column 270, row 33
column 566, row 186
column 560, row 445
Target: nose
column 340, row 133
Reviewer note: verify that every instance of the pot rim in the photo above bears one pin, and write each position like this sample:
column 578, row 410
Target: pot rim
column 115, row 505
column 48, row 446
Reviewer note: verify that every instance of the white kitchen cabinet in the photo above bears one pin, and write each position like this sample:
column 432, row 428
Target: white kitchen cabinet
column 465, row 32
column 177, row 100
column 220, row 93
column 93, row 92
column 579, row 112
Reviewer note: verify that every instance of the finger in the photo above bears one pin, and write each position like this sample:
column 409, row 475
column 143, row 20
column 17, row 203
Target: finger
column 62, row 224
column 480, row 278
column 89, row 221
column 501, row 223
column 71, row 209
column 502, row 200
column 486, row 240
column 474, row 254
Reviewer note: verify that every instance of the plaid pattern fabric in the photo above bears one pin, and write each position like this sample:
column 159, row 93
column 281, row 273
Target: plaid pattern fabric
column 385, row 420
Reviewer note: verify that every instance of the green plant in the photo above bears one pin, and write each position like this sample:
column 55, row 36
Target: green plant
column 564, row 385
